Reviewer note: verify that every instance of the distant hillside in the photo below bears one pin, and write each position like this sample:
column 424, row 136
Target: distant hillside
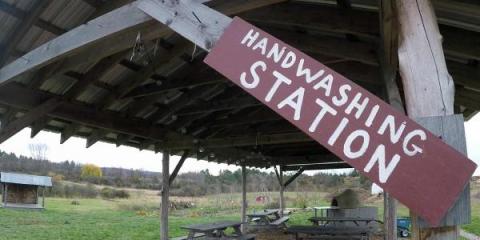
column 186, row 184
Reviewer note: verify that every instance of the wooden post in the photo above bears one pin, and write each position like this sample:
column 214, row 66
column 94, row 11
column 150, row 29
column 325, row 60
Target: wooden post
column 43, row 197
column 282, row 189
column 6, row 195
column 389, row 217
column 388, row 59
column 244, row 196
column 165, row 195
column 428, row 87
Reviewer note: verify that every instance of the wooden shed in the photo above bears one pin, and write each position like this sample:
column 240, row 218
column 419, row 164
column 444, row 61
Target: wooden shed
column 108, row 71
column 23, row 190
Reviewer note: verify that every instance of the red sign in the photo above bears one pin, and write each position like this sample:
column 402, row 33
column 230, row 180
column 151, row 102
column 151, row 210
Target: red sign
column 395, row 152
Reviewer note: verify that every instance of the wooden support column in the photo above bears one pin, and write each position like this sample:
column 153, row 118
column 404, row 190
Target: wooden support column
column 292, row 178
column 5, row 201
column 388, row 59
column 178, row 167
column 43, row 197
column 165, row 195
column 429, row 91
column 244, row 196
column 279, row 174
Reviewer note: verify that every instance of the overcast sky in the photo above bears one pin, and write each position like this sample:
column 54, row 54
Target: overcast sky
column 108, row 155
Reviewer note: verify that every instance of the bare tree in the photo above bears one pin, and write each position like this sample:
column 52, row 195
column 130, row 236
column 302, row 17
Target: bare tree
column 38, row 151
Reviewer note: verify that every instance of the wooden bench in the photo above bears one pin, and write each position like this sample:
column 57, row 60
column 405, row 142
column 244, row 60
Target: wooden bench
column 280, row 221
column 243, row 237
column 330, row 232
column 197, row 235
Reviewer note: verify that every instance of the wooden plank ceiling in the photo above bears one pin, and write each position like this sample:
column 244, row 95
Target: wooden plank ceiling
column 147, row 87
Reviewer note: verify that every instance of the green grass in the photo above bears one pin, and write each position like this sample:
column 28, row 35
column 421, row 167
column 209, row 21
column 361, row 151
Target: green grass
column 138, row 218
column 92, row 219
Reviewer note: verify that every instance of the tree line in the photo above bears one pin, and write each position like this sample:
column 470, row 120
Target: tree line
column 186, row 184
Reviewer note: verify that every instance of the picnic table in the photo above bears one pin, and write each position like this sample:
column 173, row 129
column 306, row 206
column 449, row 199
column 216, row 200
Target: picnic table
column 356, row 220
column 323, row 210
column 330, row 232
column 269, row 218
column 217, row 231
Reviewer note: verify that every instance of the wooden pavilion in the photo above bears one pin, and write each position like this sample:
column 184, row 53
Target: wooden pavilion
column 106, row 71
column 23, row 190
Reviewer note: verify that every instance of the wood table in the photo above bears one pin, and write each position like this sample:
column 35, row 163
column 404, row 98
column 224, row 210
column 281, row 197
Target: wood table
column 323, row 210
column 326, row 220
column 269, row 218
column 329, row 232
column 217, row 230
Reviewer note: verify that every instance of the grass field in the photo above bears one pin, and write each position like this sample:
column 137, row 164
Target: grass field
column 137, row 217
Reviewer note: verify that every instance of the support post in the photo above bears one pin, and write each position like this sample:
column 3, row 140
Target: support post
column 292, row 178
column 43, row 197
column 6, row 195
column 244, row 196
column 165, row 196
column 282, row 189
column 389, row 216
column 178, row 167
column 428, row 87
column 388, row 59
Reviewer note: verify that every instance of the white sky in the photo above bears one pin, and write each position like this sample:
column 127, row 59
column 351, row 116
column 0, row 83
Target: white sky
column 108, row 155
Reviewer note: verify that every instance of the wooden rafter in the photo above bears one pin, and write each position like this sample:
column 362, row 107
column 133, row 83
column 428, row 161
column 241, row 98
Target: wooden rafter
column 238, row 141
column 29, row 118
column 82, row 114
column 76, row 39
column 174, row 174
column 23, row 26
column 318, row 166
column 20, row 14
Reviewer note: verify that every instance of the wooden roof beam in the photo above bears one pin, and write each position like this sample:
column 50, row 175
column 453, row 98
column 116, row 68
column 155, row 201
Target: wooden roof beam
column 38, row 126
column 320, row 166
column 82, row 114
column 73, row 41
column 23, row 27
column 20, row 14
column 28, row 119
column 237, row 141
column 95, row 36
column 295, row 176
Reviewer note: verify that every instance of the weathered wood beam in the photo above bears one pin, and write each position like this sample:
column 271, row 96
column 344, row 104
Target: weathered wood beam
column 93, row 75
column 82, row 114
column 180, row 163
column 244, row 197
column 187, row 98
column 389, row 69
column 466, row 75
column 428, row 87
column 93, row 3
column 295, row 176
column 26, row 120
column 22, row 28
column 120, row 26
column 330, row 20
column 319, row 166
column 68, row 132
column 180, row 17
column 238, row 141
column 94, row 137
column 220, row 105
column 38, row 126
column 165, row 192
column 75, row 40
column 20, row 14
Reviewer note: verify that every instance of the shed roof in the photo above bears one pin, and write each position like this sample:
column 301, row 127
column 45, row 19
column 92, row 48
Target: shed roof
column 25, row 179
column 163, row 96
